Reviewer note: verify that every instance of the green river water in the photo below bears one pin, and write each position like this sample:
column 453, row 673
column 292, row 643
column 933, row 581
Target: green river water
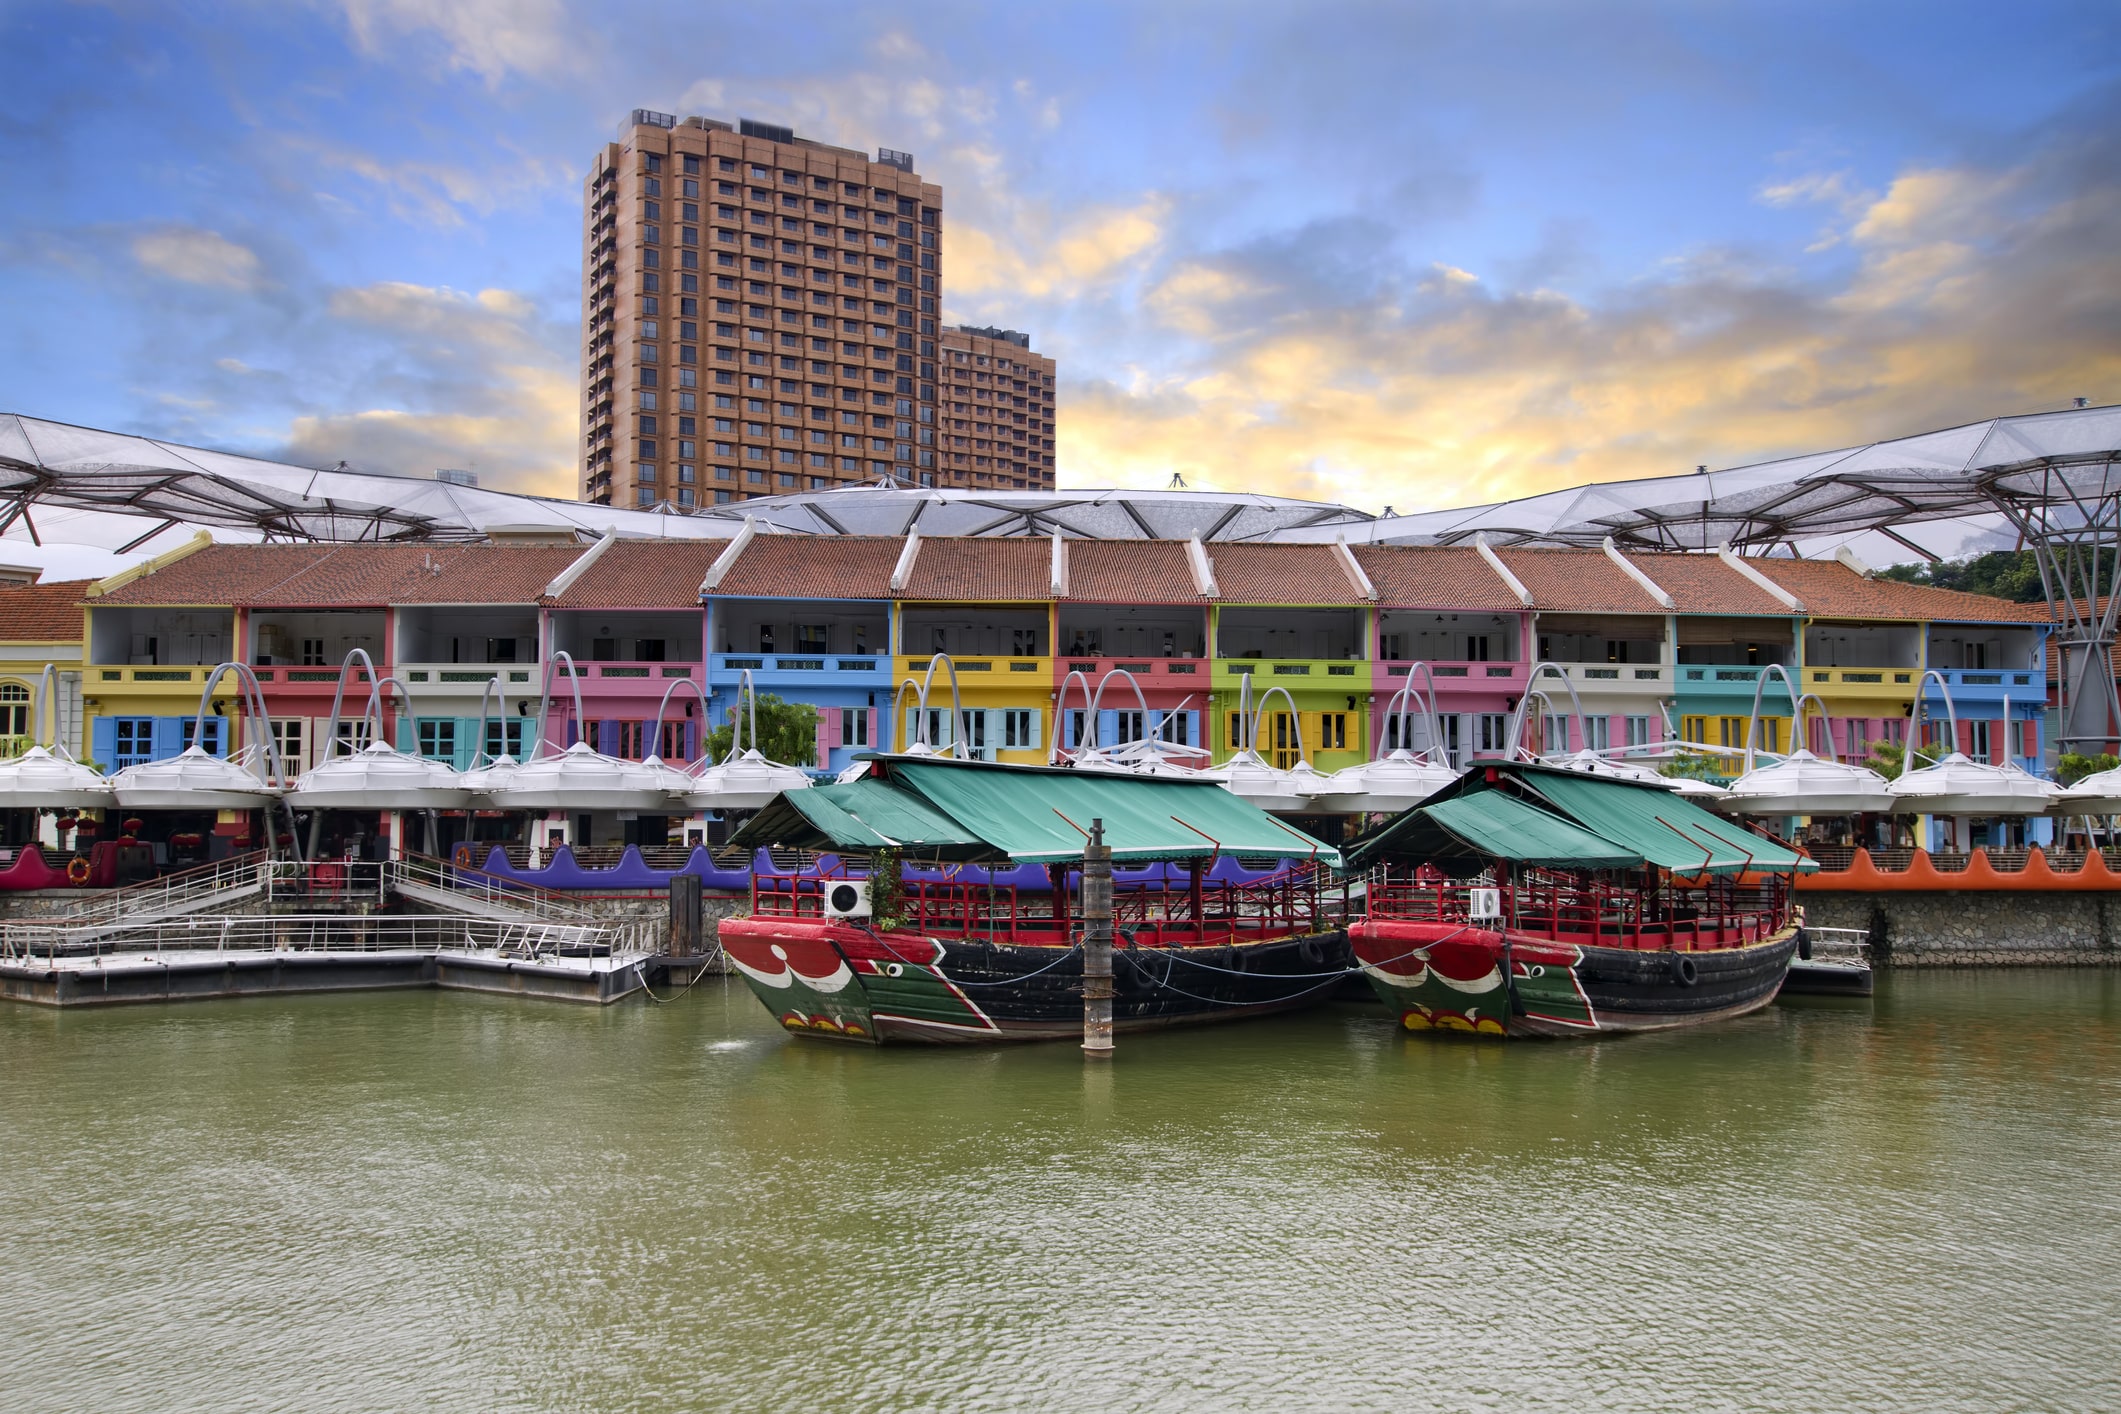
column 439, row 1201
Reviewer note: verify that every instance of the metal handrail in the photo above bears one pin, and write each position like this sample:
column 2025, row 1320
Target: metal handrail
column 336, row 933
column 203, row 881
column 490, row 888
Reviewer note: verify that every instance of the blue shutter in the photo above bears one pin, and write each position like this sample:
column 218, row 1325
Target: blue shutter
column 168, row 737
column 692, row 739
column 608, row 738
column 103, row 742
column 1108, row 726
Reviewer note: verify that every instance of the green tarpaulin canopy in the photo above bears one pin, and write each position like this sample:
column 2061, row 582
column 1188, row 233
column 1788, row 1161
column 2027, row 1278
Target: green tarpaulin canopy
column 975, row 810
column 1497, row 826
column 1667, row 829
column 1567, row 820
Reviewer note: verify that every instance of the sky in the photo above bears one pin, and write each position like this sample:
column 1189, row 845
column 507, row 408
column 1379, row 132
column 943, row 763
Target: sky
column 1401, row 255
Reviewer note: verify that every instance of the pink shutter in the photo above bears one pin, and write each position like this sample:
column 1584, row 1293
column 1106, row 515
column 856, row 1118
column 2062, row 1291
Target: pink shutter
column 822, row 747
column 1966, row 738
column 1999, row 741
column 2031, row 731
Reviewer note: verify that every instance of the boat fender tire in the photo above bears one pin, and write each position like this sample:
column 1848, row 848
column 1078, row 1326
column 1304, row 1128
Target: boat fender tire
column 1684, row 972
column 1311, row 952
column 1236, row 960
column 1804, row 945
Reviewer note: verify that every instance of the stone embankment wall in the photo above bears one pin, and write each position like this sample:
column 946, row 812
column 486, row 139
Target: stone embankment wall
column 1975, row 929
column 648, row 916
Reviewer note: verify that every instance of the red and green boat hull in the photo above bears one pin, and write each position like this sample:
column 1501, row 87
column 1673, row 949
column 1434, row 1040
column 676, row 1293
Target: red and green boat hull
column 1444, row 976
column 848, row 983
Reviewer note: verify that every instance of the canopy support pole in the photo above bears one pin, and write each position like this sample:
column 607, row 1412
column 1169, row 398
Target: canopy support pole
column 1097, row 945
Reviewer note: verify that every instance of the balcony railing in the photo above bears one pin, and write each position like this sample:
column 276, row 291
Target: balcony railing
column 512, row 676
column 1294, row 667
column 1617, row 674
column 1042, row 666
column 800, row 663
column 1860, row 677
column 1476, row 670
column 1097, row 666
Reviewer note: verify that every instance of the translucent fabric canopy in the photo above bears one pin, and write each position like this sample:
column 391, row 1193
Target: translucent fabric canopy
column 2051, row 458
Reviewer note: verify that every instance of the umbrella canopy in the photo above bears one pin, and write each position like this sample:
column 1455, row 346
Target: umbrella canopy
column 1248, row 777
column 2097, row 794
column 1958, row 785
column 482, row 780
column 1395, row 783
column 193, row 780
column 579, row 778
column 379, row 777
column 747, row 783
column 40, row 780
column 1803, row 784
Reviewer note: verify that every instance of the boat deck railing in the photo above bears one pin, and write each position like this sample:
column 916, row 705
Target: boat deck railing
column 1593, row 913
column 1293, row 903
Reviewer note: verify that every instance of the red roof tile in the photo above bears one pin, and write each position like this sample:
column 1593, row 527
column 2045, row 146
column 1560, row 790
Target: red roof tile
column 43, row 613
column 1704, row 584
column 1130, row 572
column 1281, row 574
column 344, row 576
column 959, row 569
column 811, row 567
column 644, row 574
column 1433, row 576
column 1831, row 589
column 1578, row 582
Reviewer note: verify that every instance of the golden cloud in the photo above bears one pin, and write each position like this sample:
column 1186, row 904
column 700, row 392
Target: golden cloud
column 199, row 257
column 1449, row 393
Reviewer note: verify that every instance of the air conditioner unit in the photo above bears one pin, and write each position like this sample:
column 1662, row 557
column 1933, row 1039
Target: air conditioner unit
column 847, row 898
column 1484, row 905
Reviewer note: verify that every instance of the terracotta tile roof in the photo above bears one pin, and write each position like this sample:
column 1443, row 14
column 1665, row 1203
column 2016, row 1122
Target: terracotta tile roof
column 43, row 613
column 1704, row 584
column 811, row 567
column 1433, row 576
column 1831, row 589
column 342, row 576
column 1281, row 574
column 645, row 574
column 960, row 569
column 1130, row 572
column 1578, row 582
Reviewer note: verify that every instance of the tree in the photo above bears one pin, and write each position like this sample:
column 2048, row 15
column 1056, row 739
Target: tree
column 787, row 731
column 2000, row 574
column 2073, row 766
column 1887, row 757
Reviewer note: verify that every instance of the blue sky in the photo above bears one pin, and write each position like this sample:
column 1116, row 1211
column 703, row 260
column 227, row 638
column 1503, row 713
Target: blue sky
column 1405, row 254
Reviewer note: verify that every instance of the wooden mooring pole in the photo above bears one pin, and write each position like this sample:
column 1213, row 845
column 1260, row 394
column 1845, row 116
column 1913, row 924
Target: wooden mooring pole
column 1097, row 945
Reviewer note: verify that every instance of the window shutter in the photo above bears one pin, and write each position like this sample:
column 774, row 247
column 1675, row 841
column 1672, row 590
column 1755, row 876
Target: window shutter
column 1038, row 725
column 2030, row 730
column 1966, row 738
column 168, row 737
column 103, row 741
column 828, row 720
column 1999, row 743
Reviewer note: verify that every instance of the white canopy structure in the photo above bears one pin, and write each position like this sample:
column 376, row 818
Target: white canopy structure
column 2096, row 794
column 42, row 780
column 1804, row 784
column 1959, row 785
column 379, row 777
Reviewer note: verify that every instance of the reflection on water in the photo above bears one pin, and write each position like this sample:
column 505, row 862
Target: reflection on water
column 426, row 1200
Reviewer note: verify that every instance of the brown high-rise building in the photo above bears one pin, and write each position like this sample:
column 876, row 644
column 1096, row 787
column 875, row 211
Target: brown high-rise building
column 995, row 420
column 759, row 316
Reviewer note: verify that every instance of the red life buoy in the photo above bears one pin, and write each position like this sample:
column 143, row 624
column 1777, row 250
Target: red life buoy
column 77, row 871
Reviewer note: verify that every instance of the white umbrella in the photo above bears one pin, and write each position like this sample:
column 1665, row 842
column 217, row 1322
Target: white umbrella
column 746, row 780
column 2096, row 794
column 1400, row 781
column 580, row 778
column 1803, row 784
column 41, row 779
column 195, row 779
column 379, row 777
column 1958, row 785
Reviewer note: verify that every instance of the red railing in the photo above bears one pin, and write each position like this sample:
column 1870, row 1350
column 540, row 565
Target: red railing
column 1590, row 911
column 1292, row 904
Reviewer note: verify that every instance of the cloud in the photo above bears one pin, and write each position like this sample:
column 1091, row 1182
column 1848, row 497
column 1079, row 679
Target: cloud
column 457, row 379
column 438, row 193
column 1043, row 259
column 1974, row 292
column 490, row 38
column 198, row 257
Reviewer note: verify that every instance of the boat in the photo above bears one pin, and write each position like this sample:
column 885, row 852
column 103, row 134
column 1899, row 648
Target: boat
column 889, row 956
column 1528, row 900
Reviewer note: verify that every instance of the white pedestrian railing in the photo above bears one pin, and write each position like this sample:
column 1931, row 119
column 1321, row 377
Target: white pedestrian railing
column 328, row 933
